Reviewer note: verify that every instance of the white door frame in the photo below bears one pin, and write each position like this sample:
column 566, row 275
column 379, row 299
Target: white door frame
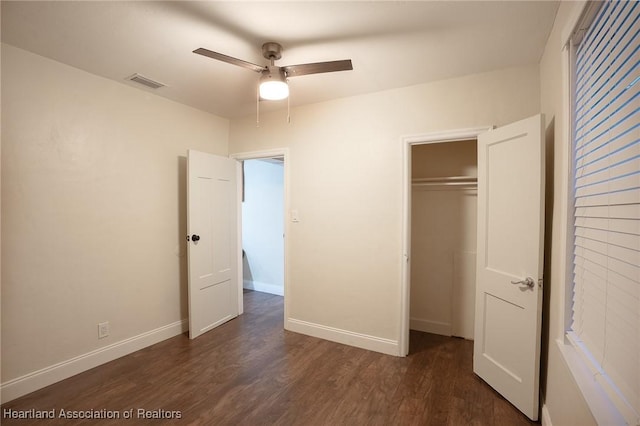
column 256, row 155
column 407, row 144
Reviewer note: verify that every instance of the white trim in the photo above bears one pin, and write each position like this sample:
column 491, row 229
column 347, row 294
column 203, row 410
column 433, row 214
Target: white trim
column 446, row 136
column 270, row 153
column 603, row 384
column 239, row 262
column 35, row 380
column 581, row 16
column 545, row 418
column 602, row 408
column 345, row 337
column 255, row 155
column 428, row 326
column 405, row 257
column 263, row 287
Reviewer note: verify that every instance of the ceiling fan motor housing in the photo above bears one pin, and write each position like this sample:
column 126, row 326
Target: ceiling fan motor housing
column 273, row 73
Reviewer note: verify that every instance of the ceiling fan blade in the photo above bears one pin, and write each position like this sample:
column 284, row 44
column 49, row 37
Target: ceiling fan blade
column 318, row 67
column 229, row 59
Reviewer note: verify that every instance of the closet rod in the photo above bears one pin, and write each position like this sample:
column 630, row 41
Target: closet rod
column 471, row 179
column 470, row 184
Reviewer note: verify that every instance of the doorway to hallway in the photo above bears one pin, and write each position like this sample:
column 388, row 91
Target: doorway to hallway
column 263, row 225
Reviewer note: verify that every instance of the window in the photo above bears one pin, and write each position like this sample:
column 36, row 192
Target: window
column 606, row 264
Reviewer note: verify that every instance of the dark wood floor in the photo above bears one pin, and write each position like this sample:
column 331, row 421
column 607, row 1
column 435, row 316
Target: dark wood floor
column 250, row 371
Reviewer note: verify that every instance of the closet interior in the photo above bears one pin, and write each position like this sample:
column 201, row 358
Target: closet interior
column 443, row 237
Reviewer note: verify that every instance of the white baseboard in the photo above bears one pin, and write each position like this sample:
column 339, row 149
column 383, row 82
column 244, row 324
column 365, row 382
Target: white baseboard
column 263, row 287
column 359, row 340
column 33, row 381
column 428, row 326
column 545, row 419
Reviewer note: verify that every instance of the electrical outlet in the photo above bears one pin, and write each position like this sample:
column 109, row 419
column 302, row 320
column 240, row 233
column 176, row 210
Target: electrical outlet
column 103, row 329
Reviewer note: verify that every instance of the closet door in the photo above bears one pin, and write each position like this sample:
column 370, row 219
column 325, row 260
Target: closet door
column 509, row 262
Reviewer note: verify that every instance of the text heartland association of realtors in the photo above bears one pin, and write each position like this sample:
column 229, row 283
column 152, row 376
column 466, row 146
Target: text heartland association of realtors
column 138, row 413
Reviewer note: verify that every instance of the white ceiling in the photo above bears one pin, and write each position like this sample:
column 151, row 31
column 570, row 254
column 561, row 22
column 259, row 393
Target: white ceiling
column 391, row 44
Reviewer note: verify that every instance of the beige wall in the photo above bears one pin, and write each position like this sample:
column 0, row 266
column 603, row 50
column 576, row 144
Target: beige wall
column 346, row 183
column 93, row 209
column 563, row 399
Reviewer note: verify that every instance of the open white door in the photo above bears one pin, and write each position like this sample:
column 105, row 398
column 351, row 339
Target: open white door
column 510, row 261
column 212, row 243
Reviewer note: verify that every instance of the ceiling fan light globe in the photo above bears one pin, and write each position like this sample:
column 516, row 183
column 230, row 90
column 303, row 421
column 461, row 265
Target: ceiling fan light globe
column 274, row 90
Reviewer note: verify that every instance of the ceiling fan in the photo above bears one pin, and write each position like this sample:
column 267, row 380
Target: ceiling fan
column 273, row 79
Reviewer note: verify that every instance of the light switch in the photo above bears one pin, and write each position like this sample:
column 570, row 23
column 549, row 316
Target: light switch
column 294, row 216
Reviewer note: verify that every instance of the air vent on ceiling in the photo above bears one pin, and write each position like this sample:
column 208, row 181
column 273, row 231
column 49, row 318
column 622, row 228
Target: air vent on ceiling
column 146, row 81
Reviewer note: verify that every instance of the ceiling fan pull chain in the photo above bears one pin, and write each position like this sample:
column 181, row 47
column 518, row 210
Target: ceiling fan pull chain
column 289, row 109
column 258, row 106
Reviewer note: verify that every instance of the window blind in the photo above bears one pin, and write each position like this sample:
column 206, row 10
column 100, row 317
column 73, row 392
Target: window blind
column 606, row 293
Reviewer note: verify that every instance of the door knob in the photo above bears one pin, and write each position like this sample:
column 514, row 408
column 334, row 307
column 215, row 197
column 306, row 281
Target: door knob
column 527, row 281
column 195, row 238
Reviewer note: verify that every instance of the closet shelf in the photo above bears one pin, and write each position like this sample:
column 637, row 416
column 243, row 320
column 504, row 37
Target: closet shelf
column 469, row 181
